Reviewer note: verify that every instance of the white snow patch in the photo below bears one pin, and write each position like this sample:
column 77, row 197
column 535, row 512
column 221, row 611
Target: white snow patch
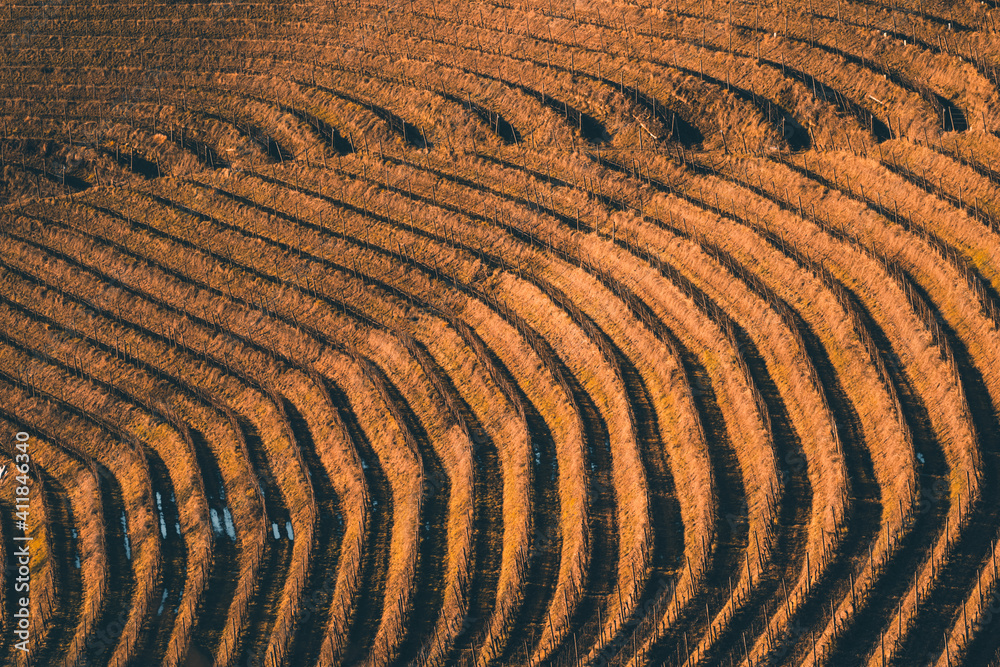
column 128, row 545
column 216, row 526
column 163, row 601
column 230, row 528
column 163, row 520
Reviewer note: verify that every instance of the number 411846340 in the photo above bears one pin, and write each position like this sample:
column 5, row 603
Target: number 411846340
column 23, row 461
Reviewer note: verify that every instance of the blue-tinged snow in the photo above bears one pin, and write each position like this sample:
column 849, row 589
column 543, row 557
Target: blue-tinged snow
column 216, row 526
column 128, row 546
column 163, row 520
column 163, row 601
column 230, row 528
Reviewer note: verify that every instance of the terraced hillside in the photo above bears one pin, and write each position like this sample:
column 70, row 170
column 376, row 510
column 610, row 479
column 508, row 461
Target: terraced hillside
column 501, row 333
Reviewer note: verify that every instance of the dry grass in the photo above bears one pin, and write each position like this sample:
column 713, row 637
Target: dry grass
column 495, row 304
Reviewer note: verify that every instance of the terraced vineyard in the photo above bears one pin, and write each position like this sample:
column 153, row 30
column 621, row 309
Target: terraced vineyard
column 501, row 333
